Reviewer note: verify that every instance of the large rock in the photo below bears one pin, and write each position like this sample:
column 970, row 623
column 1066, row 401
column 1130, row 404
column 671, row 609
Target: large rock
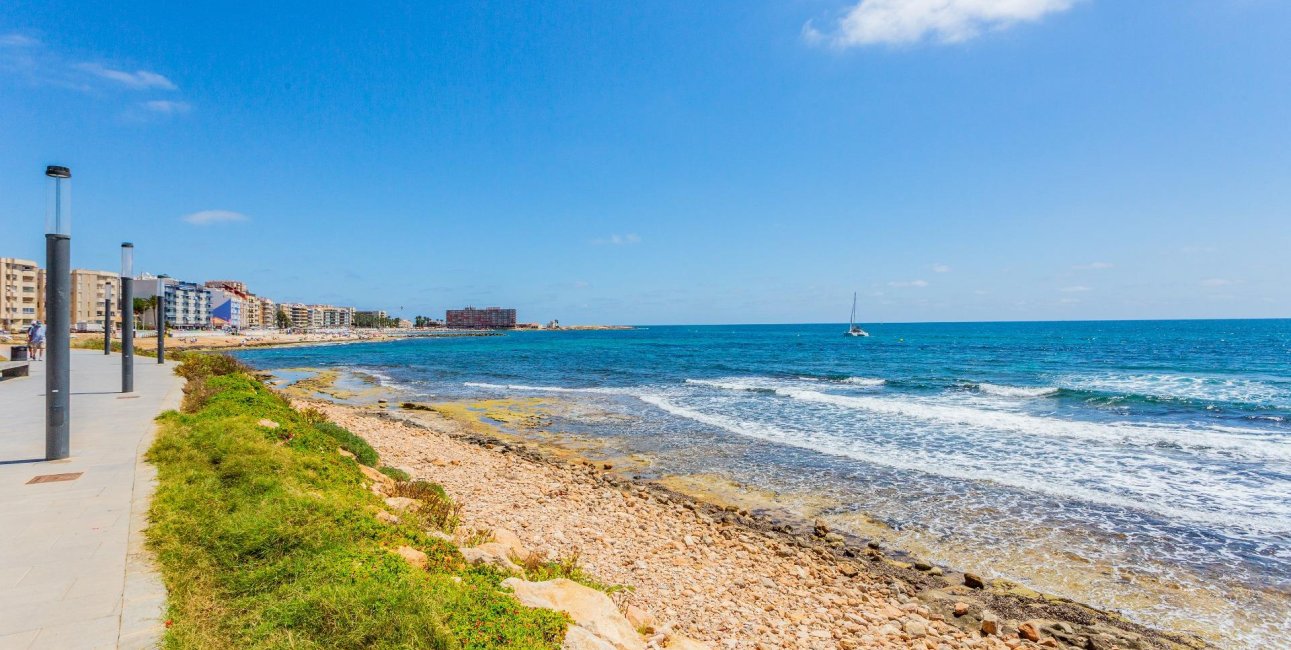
column 413, row 556
column 511, row 541
column 376, row 476
column 492, row 553
column 578, row 638
column 588, row 608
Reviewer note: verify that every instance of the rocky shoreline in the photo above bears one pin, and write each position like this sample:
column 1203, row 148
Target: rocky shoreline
column 725, row 576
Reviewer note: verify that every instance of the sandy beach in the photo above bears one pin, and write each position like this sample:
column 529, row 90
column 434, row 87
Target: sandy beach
column 718, row 573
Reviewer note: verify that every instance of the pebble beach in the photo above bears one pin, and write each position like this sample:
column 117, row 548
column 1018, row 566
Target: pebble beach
column 716, row 574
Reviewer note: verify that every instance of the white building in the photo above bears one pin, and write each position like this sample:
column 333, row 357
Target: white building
column 186, row 305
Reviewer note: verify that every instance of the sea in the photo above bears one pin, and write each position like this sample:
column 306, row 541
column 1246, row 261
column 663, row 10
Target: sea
column 1142, row 467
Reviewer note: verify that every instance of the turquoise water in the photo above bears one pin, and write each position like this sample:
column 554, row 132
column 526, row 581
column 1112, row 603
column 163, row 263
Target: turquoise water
column 1140, row 466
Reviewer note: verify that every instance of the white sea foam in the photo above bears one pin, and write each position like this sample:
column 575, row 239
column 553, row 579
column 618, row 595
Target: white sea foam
column 1238, row 441
column 1251, row 443
column 1167, row 386
column 864, row 381
column 1017, row 391
column 1122, row 483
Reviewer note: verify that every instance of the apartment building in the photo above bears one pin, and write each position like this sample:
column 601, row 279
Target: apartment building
column 330, row 316
column 89, row 290
column 477, row 319
column 298, row 313
column 185, row 305
column 268, row 312
column 22, row 293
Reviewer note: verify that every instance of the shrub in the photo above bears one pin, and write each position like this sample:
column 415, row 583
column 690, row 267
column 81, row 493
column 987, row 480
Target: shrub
column 438, row 511
column 362, row 451
column 394, row 473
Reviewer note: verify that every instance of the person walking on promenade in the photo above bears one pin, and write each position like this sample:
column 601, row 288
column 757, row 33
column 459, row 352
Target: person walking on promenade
column 36, row 340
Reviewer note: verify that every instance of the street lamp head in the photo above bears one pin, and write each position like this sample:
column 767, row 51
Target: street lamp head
column 58, row 204
column 127, row 260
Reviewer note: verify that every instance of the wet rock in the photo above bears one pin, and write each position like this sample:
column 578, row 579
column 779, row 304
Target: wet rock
column 973, row 580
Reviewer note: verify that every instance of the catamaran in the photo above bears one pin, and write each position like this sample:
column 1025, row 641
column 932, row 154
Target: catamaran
column 854, row 329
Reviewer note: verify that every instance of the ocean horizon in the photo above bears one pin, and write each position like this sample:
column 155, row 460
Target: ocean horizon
column 1138, row 466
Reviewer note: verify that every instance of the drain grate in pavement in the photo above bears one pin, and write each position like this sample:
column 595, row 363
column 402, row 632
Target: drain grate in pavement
column 54, row 478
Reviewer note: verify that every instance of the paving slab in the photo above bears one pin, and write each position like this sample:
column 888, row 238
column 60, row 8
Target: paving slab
column 74, row 572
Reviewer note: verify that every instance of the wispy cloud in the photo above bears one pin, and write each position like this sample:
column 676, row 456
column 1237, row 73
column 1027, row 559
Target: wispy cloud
column 167, row 107
column 618, row 240
column 1076, row 289
column 1094, row 266
column 1068, row 301
column 139, row 79
column 210, row 217
column 908, row 283
column 14, row 39
column 940, row 268
column 1213, row 283
column 872, row 22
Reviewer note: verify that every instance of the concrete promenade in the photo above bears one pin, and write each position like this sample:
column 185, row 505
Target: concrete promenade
column 73, row 571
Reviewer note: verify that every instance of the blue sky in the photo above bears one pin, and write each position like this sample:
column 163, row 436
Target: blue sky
column 671, row 162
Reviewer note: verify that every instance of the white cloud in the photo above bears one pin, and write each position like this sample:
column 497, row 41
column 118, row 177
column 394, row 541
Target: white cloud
column 14, row 39
column 1076, row 289
column 619, row 240
column 944, row 21
column 1095, row 266
column 140, row 79
column 167, row 107
column 208, row 217
column 1215, row 282
column 940, row 268
column 909, row 283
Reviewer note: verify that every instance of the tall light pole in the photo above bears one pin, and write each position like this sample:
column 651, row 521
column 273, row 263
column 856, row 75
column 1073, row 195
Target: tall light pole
column 107, row 318
column 58, row 280
column 127, row 318
column 160, row 318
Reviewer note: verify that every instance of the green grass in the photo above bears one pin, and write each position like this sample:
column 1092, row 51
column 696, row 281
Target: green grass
column 394, row 473
column 266, row 538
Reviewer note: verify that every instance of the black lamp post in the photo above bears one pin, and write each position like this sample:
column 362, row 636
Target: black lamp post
column 127, row 318
column 58, row 280
column 107, row 319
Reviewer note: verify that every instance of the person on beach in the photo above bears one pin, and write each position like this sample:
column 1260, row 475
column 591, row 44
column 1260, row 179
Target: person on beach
column 36, row 340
